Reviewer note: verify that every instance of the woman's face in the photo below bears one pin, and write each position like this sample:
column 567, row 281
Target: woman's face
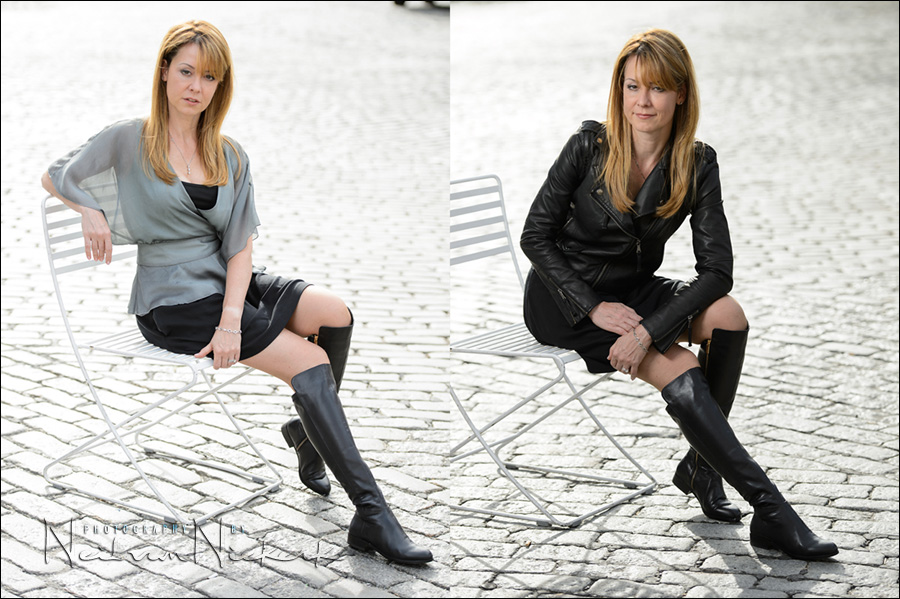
column 649, row 108
column 188, row 90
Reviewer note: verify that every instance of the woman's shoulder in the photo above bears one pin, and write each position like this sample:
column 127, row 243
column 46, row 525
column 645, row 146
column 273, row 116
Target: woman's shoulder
column 704, row 152
column 592, row 129
column 234, row 150
column 123, row 128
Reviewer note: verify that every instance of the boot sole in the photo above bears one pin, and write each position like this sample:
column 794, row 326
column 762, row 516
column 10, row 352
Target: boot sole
column 766, row 543
column 364, row 546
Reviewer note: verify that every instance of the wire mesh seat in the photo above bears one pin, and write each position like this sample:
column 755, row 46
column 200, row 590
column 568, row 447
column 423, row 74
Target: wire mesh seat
column 479, row 230
column 65, row 250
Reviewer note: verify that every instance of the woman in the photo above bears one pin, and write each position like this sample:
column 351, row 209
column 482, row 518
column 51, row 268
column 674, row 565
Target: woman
column 596, row 234
column 180, row 190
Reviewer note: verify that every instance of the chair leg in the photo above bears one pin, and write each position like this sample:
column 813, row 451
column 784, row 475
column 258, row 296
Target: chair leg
column 115, row 434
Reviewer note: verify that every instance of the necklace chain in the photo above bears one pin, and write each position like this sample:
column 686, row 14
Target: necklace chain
column 188, row 162
column 634, row 159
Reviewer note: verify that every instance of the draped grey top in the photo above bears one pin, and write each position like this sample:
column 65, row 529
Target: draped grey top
column 182, row 251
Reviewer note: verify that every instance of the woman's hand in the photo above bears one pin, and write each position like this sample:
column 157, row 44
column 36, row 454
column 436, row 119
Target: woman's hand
column 97, row 237
column 225, row 346
column 614, row 317
column 627, row 353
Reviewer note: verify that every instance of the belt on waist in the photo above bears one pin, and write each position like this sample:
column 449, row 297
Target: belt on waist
column 169, row 253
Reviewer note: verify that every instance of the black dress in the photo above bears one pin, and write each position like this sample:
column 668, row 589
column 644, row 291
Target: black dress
column 548, row 325
column 187, row 328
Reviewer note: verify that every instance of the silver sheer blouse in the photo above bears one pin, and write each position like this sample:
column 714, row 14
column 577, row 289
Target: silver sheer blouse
column 183, row 251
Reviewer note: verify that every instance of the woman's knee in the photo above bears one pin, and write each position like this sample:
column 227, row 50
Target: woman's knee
column 732, row 314
column 725, row 313
column 319, row 308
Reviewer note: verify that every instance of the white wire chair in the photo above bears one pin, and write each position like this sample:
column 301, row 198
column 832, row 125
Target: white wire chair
column 65, row 250
column 479, row 229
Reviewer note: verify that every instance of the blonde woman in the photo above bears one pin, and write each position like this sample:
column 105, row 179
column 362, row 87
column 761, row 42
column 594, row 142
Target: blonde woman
column 182, row 191
column 596, row 235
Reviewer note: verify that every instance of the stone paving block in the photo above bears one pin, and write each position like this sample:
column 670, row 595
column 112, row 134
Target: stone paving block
column 295, row 519
column 223, row 587
column 85, row 584
column 37, row 508
column 627, row 588
column 659, row 559
column 146, row 584
column 17, row 581
column 732, row 592
column 351, row 588
column 810, row 587
column 546, row 582
column 31, row 560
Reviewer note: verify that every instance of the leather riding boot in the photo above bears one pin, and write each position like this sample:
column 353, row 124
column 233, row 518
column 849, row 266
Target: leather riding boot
column 775, row 524
column 336, row 343
column 374, row 525
column 721, row 360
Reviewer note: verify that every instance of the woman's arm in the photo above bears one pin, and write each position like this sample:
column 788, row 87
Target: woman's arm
column 97, row 236
column 548, row 215
column 226, row 345
column 712, row 250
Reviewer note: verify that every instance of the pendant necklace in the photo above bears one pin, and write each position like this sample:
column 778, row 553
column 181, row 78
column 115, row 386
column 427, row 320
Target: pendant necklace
column 188, row 162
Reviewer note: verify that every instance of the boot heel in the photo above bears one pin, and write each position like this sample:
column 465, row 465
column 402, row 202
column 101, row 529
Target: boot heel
column 682, row 482
column 287, row 434
column 359, row 543
column 763, row 542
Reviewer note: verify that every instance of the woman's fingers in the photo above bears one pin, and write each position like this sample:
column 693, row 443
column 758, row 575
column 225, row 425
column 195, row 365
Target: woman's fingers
column 97, row 236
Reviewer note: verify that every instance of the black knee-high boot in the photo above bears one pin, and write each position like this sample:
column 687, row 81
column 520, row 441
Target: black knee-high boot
column 336, row 343
column 374, row 525
column 775, row 524
column 721, row 360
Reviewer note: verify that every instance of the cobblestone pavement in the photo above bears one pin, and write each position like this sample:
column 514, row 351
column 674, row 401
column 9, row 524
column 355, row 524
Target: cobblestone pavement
column 353, row 98
column 344, row 110
column 800, row 100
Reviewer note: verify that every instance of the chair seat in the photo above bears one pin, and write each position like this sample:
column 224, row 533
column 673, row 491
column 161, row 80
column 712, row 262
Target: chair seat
column 514, row 340
column 132, row 343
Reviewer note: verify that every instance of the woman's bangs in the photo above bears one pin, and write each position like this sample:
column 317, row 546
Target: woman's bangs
column 212, row 60
column 651, row 69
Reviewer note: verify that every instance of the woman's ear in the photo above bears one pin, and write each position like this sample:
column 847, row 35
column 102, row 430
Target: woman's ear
column 682, row 95
column 164, row 70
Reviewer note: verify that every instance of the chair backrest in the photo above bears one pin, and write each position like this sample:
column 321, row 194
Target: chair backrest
column 479, row 226
column 64, row 241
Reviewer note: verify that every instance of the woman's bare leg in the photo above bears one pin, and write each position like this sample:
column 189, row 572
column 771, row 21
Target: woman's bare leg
column 318, row 308
column 288, row 355
column 725, row 313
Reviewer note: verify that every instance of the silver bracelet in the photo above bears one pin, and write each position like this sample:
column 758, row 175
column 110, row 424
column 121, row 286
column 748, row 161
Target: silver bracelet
column 237, row 332
column 634, row 332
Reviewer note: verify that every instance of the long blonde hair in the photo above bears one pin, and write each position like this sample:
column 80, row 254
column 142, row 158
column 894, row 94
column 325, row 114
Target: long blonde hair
column 215, row 58
column 664, row 61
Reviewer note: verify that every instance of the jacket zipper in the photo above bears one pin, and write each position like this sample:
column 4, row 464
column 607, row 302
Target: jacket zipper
column 636, row 239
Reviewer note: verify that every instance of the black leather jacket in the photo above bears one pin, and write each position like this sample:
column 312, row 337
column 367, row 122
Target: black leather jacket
column 586, row 252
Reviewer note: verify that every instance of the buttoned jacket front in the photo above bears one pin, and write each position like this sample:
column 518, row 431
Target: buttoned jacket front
column 586, row 252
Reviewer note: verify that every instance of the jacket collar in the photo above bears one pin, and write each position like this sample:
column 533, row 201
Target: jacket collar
column 649, row 196
column 654, row 189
